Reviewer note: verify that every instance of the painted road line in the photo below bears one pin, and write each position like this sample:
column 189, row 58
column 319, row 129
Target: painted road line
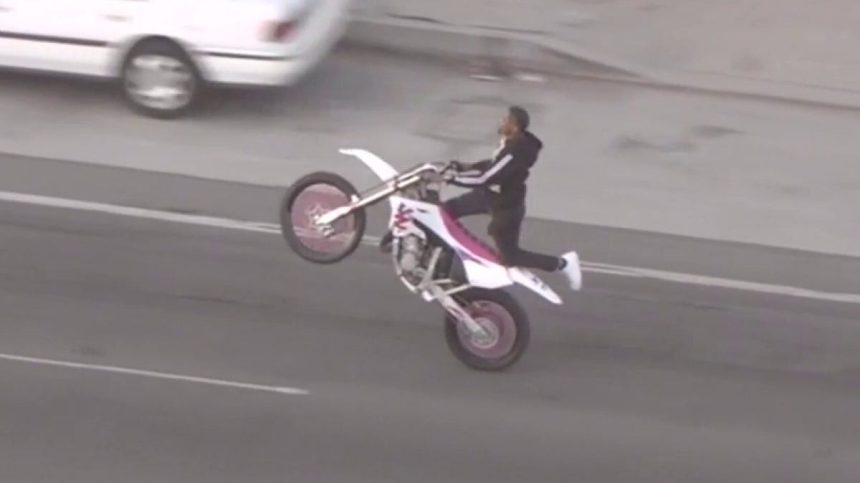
column 706, row 281
column 593, row 267
column 156, row 375
column 159, row 215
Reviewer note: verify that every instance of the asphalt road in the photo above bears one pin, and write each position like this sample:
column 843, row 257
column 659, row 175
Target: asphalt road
column 617, row 155
column 633, row 380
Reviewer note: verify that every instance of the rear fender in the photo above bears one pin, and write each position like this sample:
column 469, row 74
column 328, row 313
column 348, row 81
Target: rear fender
column 489, row 276
column 534, row 283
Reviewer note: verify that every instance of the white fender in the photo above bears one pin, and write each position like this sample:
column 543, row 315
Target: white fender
column 533, row 283
column 376, row 164
column 381, row 169
column 487, row 276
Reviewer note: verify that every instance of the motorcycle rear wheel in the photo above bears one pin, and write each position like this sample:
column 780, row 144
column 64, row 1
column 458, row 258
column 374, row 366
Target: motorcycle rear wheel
column 315, row 194
column 499, row 313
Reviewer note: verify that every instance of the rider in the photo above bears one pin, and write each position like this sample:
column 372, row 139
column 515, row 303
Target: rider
column 500, row 191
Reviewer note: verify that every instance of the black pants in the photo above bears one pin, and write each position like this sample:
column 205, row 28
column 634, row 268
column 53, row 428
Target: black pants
column 504, row 227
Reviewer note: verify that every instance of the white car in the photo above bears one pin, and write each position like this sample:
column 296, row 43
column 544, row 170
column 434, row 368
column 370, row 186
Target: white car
column 165, row 51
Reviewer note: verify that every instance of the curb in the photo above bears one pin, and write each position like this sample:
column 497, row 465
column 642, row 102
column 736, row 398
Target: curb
column 770, row 90
column 505, row 53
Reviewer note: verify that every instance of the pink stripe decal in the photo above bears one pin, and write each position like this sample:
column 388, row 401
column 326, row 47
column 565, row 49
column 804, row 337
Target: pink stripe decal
column 476, row 247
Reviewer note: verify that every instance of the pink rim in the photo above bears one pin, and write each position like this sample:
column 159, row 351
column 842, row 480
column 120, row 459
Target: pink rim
column 317, row 199
column 487, row 312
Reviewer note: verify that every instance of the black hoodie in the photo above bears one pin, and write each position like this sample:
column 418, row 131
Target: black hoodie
column 504, row 176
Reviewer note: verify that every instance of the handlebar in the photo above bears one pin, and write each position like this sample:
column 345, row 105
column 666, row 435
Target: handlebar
column 427, row 172
column 442, row 171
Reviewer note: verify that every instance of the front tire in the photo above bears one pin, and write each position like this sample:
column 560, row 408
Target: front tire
column 312, row 195
column 160, row 80
column 500, row 313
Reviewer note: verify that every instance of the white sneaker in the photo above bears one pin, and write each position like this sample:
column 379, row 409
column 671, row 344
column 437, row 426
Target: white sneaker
column 572, row 270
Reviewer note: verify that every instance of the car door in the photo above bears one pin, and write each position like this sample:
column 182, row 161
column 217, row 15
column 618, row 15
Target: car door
column 60, row 35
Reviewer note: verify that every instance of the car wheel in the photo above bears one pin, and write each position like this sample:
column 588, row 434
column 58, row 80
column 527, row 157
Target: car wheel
column 160, row 80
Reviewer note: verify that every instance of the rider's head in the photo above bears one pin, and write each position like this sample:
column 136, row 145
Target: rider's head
column 515, row 122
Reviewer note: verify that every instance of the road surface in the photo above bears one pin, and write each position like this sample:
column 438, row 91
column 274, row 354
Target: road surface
column 633, row 380
column 615, row 155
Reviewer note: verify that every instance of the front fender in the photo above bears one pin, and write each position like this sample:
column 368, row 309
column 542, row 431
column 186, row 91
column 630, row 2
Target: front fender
column 380, row 168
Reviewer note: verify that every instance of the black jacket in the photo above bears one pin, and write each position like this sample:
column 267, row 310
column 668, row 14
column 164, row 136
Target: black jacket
column 504, row 177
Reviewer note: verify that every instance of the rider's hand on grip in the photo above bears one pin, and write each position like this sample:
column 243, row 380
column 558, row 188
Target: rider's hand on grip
column 433, row 176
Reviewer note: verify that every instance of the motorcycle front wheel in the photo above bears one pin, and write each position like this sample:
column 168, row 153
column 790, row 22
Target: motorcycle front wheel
column 313, row 195
column 501, row 315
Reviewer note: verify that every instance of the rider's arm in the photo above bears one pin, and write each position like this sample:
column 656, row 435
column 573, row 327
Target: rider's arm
column 473, row 169
column 489, row 171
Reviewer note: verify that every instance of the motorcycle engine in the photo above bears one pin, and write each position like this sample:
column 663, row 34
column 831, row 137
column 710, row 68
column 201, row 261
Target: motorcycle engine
column 411, row 253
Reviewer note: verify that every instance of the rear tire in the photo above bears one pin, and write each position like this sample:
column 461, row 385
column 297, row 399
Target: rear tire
column 340, row 192
column 160, row 80
column 500, row 311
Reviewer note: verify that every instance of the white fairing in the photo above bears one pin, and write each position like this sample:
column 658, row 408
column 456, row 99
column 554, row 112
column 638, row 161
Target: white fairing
column 528, row 279
column 481, row 270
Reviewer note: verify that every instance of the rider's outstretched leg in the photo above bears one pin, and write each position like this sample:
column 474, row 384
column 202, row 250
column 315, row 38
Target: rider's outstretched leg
column 505, row 230
column 474, row 202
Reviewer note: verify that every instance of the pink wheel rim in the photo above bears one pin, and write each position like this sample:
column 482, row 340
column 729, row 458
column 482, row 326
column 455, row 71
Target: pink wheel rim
column 498, row 321
column 316, row 200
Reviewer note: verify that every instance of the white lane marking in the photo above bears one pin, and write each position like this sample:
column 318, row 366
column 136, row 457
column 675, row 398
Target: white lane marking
column 602, row 268
column 156, row 375
column 707, row 281
column 138, row 212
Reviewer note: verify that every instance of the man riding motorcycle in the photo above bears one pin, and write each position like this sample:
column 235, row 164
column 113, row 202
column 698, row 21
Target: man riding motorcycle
column 500, row 191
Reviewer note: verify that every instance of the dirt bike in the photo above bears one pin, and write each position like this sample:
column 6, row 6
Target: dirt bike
column 323, row 220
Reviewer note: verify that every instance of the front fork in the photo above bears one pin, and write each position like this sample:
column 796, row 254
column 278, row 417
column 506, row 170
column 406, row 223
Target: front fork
column 432, row 289
column 375, row 195
column 452, row 307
